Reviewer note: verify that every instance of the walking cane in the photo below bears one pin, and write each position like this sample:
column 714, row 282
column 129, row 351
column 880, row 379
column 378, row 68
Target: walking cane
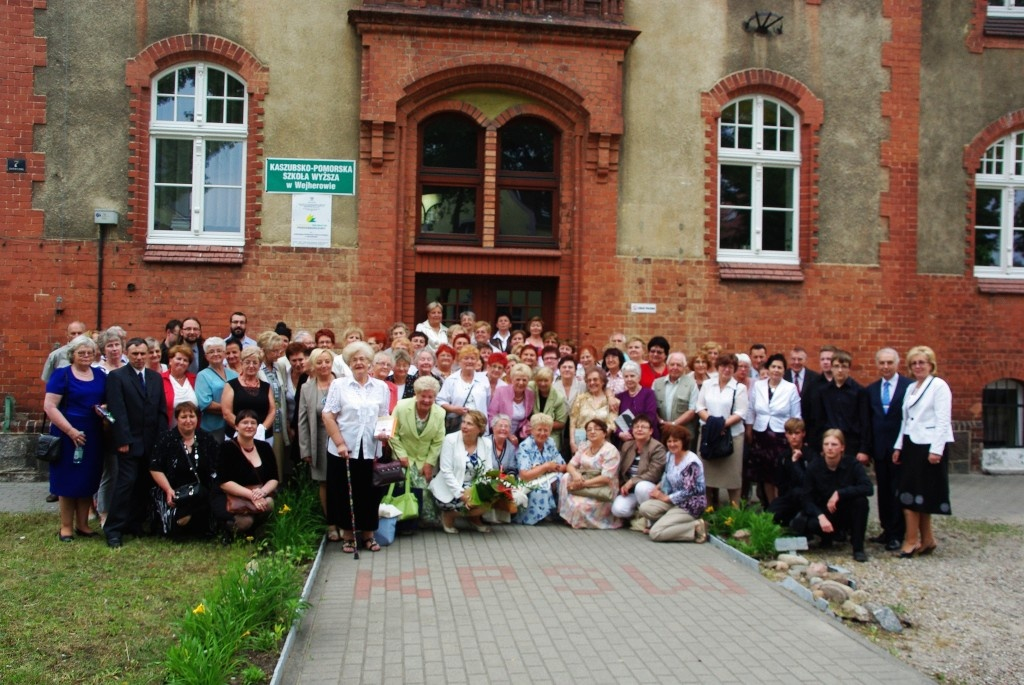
column 351, row 508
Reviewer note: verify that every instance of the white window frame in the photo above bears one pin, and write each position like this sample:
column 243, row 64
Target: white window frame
column 1002, row 168
column 1009, row 9
column 199, row 132
column 758, row 159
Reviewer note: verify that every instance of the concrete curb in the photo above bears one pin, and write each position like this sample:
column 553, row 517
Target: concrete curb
column 787, row 583
column 306, row 590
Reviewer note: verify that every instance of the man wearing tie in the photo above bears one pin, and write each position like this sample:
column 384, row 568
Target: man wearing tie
column 806, row 382
column 135, row 397
column 885, row 397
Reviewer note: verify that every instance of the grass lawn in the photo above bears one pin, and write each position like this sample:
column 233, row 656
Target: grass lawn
column 82, row 613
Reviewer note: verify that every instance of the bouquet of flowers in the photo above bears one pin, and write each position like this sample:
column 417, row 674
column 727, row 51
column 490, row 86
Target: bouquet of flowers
column 492, row 489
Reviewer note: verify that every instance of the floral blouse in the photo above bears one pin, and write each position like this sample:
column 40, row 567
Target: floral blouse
column 684, row 483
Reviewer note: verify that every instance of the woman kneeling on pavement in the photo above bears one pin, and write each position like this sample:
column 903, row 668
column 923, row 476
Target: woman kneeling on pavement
column 591, row 480
column 540, row 463
column 463, row 454
column 676, row 505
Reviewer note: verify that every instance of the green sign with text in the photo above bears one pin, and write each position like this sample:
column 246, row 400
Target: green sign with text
column 327, row 176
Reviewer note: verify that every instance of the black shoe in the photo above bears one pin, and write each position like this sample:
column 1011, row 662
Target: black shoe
column 65, row 538
column 825, row 543
column 51, row 498
column 893, row 545
column 114, row 542
column 860, row 556
column 879, row 539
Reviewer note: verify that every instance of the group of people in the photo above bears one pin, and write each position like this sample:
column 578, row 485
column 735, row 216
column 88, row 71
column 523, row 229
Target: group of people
column 635, row 435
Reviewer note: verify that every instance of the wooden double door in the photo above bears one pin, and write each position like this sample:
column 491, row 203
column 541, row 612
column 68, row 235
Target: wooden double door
column 518, row 298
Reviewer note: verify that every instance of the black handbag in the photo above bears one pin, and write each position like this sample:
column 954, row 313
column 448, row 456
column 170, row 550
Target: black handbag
column 189, row 491
column 452, row 420
column 48, row 448
column 718, row 446
column 387, row 472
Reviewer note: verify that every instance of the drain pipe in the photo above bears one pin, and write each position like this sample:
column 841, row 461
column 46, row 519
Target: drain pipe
column 103, row 218
column 8, row 413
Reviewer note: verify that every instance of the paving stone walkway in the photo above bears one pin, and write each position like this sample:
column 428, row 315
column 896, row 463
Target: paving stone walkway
column 549, row 604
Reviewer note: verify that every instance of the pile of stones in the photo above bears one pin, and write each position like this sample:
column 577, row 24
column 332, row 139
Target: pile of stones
column 833, row 588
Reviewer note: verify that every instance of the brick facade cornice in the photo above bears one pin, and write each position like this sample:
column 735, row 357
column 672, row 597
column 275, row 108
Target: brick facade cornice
column 410, row 21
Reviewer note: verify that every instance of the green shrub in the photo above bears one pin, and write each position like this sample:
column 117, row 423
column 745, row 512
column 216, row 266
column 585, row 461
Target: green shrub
column 724, row 522
column 255, row 601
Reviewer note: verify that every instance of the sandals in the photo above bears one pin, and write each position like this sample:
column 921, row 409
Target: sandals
column 333, row 535
column 348, row 546
column 371, row 545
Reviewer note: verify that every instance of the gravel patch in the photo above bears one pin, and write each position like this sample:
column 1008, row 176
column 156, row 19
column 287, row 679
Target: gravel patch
column 965, row 602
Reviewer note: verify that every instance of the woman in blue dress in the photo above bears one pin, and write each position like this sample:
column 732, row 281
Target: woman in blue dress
column 71, row 396
column 540, row 462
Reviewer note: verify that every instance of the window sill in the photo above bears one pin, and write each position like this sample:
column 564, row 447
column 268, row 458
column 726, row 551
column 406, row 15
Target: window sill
column 786, row 273
column 1001, row 286
column 194, row 254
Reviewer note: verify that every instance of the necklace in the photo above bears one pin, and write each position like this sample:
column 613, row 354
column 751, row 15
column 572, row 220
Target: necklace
column 248, row 450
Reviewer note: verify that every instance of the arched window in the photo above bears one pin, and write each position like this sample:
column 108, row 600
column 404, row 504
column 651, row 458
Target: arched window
column 198, row 131
column 999, row 210
column 758, row 181
column 1002, row 411
column 451, row 178
column 459, row 201
column 527, row 181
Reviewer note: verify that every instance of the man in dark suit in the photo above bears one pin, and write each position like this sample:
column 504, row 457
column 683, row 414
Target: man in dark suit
column 807, row 384
column 135, row 397
column 886, row 405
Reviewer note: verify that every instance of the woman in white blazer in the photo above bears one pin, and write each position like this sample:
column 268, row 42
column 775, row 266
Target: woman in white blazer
column 462, row 453
column 773, row 402
column 920, row 449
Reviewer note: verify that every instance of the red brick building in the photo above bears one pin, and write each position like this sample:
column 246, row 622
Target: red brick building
column 850, row 180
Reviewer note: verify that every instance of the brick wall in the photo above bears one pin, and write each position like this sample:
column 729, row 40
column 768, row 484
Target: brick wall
column 573, row 80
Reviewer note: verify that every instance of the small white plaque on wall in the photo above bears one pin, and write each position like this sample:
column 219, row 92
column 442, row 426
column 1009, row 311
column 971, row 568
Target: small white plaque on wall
column 311, row 220
column 643, row 308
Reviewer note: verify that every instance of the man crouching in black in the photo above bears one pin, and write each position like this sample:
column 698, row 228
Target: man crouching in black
column 835, row 496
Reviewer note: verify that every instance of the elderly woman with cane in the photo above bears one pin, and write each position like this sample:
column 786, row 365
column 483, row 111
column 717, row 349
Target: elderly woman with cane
column 353, row 405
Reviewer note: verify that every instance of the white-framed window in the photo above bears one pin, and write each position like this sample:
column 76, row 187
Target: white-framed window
column 1006, row 8
column 999, row 210
column 197, row 152
column 758, row 182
